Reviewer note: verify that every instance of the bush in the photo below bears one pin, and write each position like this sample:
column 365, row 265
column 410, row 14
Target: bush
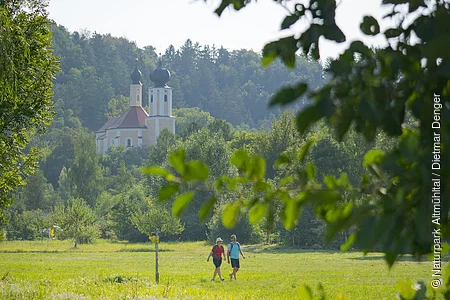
column 26, row 225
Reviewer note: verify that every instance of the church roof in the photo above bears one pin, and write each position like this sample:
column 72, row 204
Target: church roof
column 134, row 117
column 160, row 76
column 107, row 124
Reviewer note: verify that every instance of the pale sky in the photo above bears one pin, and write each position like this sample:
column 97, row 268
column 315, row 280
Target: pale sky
column 160, row 23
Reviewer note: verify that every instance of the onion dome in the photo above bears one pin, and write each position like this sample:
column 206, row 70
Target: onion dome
column 136, row 76
column 160, row 76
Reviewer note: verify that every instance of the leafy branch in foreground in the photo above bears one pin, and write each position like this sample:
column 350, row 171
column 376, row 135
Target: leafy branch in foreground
column 374, row 91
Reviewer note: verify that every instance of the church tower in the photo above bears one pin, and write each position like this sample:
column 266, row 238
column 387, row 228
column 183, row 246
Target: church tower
column 136, row 87
column 159, row 104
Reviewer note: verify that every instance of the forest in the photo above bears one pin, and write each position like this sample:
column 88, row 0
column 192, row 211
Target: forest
column 220, row 103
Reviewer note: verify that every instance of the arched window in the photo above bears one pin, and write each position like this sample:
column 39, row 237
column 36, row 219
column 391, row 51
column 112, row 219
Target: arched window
column 165, row 98
column 128, row 142
column 151, row 98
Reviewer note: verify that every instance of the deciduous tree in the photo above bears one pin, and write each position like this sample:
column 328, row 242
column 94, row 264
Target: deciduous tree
column 27, row 67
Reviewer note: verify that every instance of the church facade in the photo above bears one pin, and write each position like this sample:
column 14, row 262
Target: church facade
column 137, row 127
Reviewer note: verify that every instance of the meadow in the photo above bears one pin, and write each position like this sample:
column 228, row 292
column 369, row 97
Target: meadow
column 52, row 269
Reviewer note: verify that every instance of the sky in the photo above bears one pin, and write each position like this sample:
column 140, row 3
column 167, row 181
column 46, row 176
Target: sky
column 161, row 23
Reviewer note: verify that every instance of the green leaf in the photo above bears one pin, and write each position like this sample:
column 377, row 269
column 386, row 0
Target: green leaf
column 288, row 95
column 156, row 171
column 369, row 26
column 233, row 183
column 307, row 116
column 258, row 168
column 257, row 212
column 304, row 292
column 334, row 33
column 261, row 186
column 364, row 182
column 290, row 214
column 230, row 214
column 285, row 48
column 373, row 157
column 311, row 171
column 289, row 21
column 268, row 59
column 309, row 40
column 348, row 243
column 240, row 159
column 304, row 150
column 168, row 191
column 406, row 289
column 177, row 160
column 237, row 5
column 196, row 170
column 343, row 180
column 392, row 33
column 390, row 258
column 282, row 160
column 207, row 208
column 181, row 202
column 330, row 182
column 286, row 180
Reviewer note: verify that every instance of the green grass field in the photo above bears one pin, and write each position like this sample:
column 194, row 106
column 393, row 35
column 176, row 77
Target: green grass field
column 54, row 270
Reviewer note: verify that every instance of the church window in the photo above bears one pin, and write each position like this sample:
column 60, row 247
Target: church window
column 165, row 98
column 151, row 98
column 128, row 142
column 137, row 98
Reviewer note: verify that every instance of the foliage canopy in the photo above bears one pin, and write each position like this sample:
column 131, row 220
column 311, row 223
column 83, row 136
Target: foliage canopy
column 27, row 67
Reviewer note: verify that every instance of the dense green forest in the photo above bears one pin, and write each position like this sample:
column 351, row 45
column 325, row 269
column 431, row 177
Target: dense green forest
column 220, row 100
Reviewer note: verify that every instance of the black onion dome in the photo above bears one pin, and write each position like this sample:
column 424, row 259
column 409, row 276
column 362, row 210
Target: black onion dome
column 136, row 76
column 160, row 76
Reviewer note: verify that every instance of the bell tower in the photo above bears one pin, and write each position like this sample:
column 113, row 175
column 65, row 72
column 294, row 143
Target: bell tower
column 159, row 104
column 136, row 87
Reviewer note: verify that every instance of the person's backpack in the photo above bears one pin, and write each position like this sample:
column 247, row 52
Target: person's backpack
column 232, row 244
column 215, row 248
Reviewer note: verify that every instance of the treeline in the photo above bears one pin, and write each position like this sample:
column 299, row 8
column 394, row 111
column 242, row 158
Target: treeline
column 220, row 98
column 108, row 196
column 231, row 85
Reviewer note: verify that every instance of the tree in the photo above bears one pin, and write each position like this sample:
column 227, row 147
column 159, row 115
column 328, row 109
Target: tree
column 85, row 174
column 27, row 67
column 76, row 220
column 157, row 217
column 38, row 192
column 129, row 203
column 117, row 106
column 26, row 225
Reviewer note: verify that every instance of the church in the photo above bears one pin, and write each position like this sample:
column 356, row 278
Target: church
column 136, row 127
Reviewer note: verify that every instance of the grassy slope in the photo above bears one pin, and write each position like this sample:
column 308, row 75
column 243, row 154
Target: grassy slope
column 52, row 269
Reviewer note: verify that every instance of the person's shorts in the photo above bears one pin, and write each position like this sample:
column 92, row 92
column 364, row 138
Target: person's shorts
column 217, row 262
column 235, row 263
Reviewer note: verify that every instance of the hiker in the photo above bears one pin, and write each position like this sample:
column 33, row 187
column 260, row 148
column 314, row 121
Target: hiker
column 217, row 252
column 234, row 248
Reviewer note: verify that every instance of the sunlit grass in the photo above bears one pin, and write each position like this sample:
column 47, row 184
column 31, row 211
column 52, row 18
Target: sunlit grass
column 54, row 270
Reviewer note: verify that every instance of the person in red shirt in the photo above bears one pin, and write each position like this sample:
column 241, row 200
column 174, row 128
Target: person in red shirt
column 217, row 252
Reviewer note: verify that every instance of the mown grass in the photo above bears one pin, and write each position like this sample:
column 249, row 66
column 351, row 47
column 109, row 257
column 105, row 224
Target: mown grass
column 54, row 270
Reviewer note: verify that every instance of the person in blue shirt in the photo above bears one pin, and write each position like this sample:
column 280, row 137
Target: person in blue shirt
column 234, row 248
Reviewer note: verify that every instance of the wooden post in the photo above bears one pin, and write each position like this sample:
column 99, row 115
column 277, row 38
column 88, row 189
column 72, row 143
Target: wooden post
column 156, row 255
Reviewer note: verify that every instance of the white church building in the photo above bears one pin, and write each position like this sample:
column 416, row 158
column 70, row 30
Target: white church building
column 136, row 127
